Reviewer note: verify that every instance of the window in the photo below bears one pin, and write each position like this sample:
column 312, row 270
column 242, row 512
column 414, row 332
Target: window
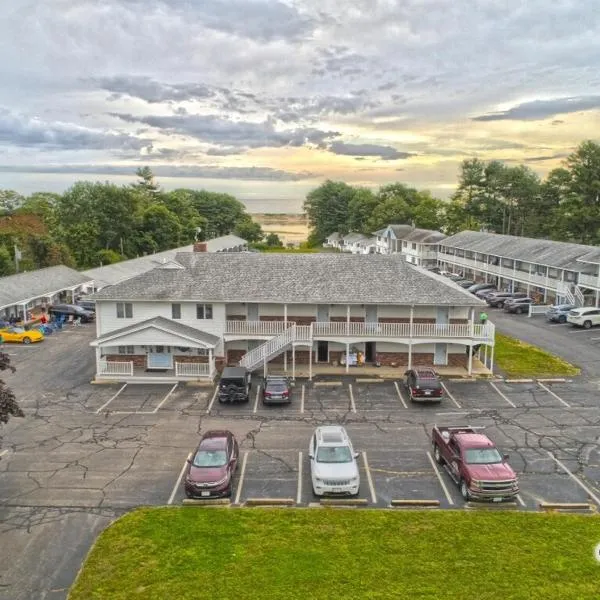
column 204, row 311
column 414, row 246
column 202, row 351
column 126, row 349
column 569, row 276
column 124, row 310
column 175, row 311
column 404, row 244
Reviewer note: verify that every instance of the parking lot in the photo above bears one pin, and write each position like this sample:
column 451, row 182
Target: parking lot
column 86, row 453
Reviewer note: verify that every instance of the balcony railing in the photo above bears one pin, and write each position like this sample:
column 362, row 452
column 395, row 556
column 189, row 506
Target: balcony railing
column 590, row 281
column 109, row 367
column 256, row 327
column 193, row 369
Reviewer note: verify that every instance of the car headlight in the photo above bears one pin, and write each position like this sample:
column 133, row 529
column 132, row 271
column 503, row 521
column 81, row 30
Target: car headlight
column 475, row 483
column 318, row 480
column 222, row 481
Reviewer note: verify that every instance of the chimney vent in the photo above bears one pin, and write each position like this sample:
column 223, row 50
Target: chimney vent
column 200, row 247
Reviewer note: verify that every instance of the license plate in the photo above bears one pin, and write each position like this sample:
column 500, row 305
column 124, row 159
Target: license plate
column 336, row 491
column 205, row 494
column 496, row 499
column 428, row 392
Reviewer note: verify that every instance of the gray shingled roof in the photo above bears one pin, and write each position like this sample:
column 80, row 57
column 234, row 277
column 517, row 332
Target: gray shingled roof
column 333, row 237
column 561, row 255
column 168, row 324
column 400, row 230
column 424, row 236
column 353, row 237
column 22, row 287
column 591, row 257
column 320, row 278
column 224, row 242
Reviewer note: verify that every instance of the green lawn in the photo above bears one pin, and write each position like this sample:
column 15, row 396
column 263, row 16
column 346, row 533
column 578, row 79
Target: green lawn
column 307, row 554
column 519, row 359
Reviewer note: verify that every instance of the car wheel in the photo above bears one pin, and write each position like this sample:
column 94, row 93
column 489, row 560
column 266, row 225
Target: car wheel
column 464, row 490
column 587, row 324
column 519, row 311
column 26, row 340
column 562, row 319
column 500, row 305
column 437, row 454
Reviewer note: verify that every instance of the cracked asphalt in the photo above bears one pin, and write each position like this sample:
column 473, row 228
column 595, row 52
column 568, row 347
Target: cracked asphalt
column 85, row 454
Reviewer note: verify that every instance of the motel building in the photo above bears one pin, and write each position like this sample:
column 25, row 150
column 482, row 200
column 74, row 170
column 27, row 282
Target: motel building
column 186, row 319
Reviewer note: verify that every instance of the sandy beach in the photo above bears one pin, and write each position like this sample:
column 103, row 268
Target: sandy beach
column 290, row 228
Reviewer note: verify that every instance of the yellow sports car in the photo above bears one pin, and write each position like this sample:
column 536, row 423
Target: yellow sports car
column 20, row 335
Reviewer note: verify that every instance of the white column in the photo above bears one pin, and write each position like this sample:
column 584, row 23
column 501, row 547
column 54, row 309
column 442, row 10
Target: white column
column 410, row 327
column 347, row 353
column 285, row 368
column 310, row 363
column 597, row 297
column 265, row 366
column 98, row 358
column 211, row 363
column 347, row 319
column 470, row 368
column 285, row 360
column 410, row 353
column 492, row 360
column 24, row 312
column 485, row 347
column 294, row 362
column 472, row 311
column 285, row 315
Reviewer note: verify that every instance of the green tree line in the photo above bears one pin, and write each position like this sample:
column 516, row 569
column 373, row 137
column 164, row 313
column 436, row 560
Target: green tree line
column 490, row 196
column 94, row 224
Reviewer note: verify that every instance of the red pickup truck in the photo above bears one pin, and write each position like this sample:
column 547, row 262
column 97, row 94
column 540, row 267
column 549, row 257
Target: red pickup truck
column 474, row 463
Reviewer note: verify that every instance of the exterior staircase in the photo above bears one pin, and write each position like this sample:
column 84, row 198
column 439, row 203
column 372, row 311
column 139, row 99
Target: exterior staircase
column 579, row 297
column 295, row 334
column 564, row 294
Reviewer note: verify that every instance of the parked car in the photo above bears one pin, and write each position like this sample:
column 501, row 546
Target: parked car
column 558, row 312
column 480, row 286
column 20, row 335
column 518, row 305
column 474, row 463
column 71, row 310
column 584, row 317
column 87, row 305
column 277, row 390
column 465, row 283
column 424, row 385
column 483, row 294
column 435, row 270
column 234, row 385
column 497, row 299
column 210, row 469
column 333, row 466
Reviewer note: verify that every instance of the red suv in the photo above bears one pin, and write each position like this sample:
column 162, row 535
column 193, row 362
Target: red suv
column 211, row 467
column 424, row 385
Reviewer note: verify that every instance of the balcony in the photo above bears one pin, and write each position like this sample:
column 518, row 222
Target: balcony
column 255, row 327
column 589, row 281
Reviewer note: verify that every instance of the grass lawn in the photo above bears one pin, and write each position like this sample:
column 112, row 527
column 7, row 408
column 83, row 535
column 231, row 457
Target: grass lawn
column 305, row 554
column 519, row 359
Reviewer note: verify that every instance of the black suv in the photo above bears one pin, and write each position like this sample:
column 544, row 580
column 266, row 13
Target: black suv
column 497, row 299
column 277, row 390
column 234, row 385
column 71, row 310
column 424, row 385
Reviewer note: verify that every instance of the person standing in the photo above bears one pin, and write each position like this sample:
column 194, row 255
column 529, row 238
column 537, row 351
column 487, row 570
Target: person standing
column 483, row 318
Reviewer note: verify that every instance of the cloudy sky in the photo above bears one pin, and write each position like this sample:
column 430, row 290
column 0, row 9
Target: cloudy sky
column 267, row 98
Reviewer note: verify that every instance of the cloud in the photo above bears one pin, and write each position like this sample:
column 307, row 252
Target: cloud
column 537, row 110
column 191, row 171
column 217, row 130
column 363, row 150
column 31, row 132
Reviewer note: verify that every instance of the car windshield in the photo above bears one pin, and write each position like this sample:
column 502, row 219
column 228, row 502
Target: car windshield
column 210, row 458
column 482, row 456
column 16, row 330
column 334, row 454
column 276, row 387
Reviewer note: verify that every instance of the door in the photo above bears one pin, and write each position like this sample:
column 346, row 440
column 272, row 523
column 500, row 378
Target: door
column 323, row 313
column 370, row 352
column 322, row 351
column 440, row 356
column 159, row 358
column 252, row 312
column 371, row 313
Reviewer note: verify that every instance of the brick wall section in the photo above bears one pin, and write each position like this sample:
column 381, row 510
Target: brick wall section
column 458, row 360
column 234, row 356
column 272, row 318
column 236, row 317
column 343, row 319
column 459, row 321
column 190, row 359
column 401, row 359
column 139, row 360
column 302, row 320
column 406, row 320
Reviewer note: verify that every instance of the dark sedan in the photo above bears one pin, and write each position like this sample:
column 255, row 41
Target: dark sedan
column 210, row 469
column 277, row 390
column 518, row 305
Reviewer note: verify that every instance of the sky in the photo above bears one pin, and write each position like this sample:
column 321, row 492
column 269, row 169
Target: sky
column 265, row 99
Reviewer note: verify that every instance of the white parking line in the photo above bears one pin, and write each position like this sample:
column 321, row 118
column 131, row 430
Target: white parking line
column 450, row 395
column 241, row 482
column 595, row 338
column 212, row 400
column 400, row 394
column 352, row 405
column 369, row 479
column 580, row 331
column 107, row 403
column 520, row 501
column 3, row 452
column 299, row 492
column 256, row 401
column 575, row 479
column 302, row 401
column 495, row 387
column 547, row 389
column 178, row 482
column 439, row 476
column 166, row 397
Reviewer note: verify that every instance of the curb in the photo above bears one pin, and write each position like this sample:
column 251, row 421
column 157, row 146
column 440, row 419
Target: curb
column 565, row 506
column 434, row 503
column 369, row 380
column 343, row 502
column 497, row 506
column 557, row 380
column 208, row 502
column 327, row 383
column 269, row 502
column 519, row 380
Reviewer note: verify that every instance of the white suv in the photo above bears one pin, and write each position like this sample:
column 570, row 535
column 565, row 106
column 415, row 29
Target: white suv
column 584, row 317
column 333, row 467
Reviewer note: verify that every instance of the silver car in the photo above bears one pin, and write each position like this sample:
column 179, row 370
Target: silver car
column 558, row 313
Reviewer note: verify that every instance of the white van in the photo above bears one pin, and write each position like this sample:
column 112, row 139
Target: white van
column 584, row 317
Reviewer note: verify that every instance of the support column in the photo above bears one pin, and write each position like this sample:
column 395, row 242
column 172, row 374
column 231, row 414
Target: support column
column 597, row 297
column 492, row 360
column 485, row 347
column 211, row 363
column 98, row 358
column 265, row 366
column 347, row 319
column 470, row 367
column 294, row 362
column 285, row 361
column 410, row 354
column 285, row 325
column 347, row 353
column 310, row 349
column 24, row 312
column 410, row 335
column 472, row 319
column 545, row 294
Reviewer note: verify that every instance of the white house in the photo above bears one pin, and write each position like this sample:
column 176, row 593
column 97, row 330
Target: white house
column 189, row 318
column 333, row 240
column 420, row 246
column 352, row 242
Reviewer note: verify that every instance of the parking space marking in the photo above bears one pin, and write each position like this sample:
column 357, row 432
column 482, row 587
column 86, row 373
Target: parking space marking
column 3, row 452
column 580, row 331
column 299, row 492
column 212, row 400
column 547, row 389
column 166, row 397
column 241, row 482
column 369, row 479
column 352, row 404
column 495, row 387
column 107, row 403
column 400, row 394
column 450, row 395
column 178, row 482
column 575, row 478
column 439, row 476
column 520, row 501
column 256, row 401
column 302, row 400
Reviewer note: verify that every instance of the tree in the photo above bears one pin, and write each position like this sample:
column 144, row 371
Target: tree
column 360, row 207
column 249, row 230
column 8, row 402
column 162, row 226
column 7, row 266
column 108, row 257
column 146, row 181
column 428, row 212
column 273, row 241
column 221, row 211
column 9, row 201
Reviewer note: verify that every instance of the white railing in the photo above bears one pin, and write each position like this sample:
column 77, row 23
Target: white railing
column 303, row 333
column 189, row 369
column 252, row 359
column 589, row 281
column 579, row 297
column 256, row 327
column 109, row 367
column 538, row 309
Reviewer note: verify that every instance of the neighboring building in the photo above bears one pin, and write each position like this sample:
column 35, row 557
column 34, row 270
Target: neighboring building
column 34, row 290
column 367, row 246
column 551, row 271
column 352, row 242
column 201, row 311
column 333, row 240
column 420, row 246
column 117, row 272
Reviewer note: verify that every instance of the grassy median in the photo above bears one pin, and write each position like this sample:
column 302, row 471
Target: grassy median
column 193, row 552
column 520, row 359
